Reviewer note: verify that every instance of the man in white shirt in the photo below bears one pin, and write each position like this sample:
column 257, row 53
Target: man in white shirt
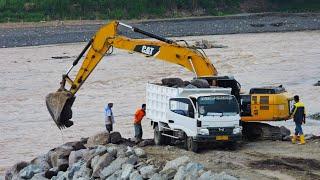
column 109, row 119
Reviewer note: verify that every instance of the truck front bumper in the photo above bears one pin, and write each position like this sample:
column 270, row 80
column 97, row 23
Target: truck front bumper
column 218, row 138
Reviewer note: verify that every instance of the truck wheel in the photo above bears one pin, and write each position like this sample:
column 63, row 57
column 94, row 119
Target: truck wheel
column 191, row 145
column 158, row 138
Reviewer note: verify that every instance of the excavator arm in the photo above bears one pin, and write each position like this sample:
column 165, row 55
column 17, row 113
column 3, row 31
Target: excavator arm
column 59, row 103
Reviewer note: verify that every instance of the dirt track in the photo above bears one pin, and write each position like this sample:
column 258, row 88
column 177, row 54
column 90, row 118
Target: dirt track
column 255, row 160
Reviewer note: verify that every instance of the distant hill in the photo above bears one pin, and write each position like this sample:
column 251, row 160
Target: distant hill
column 45, row 10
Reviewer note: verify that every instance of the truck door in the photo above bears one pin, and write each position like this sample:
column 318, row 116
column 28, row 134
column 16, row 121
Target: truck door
column 181, row 115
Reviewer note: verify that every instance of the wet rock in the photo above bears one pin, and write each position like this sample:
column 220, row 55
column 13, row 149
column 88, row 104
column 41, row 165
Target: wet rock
column 29, row 171
column 115, row 137
column 146, row 142
column 206, row 176
column 286, row 138
column 15, row 169
column 101, row 138
column 51, row 172
column 157, row 176
column 43, row 161
column 200, row 83
column 93, row 162
column 181, row 173
column 73, row 169
column 60, row 176
column 317, row 84
column 133, row 159
column 115, row 176
column 84, row 140
column 39, row 176
column 59, row 157
column 172, row 82
column 309, row 136
column 126, row 171
column 284, row 131
column 103, row 161
column 129, row 151
column 174, row 164
column 147, row 171
column 193, row 168
column 223, row 175
column 190, row 86
column 315, row 116
column 140, row 152
column 168, row 173
column 113, row 167
column 135, row 176
column 121, row 152
column 76, row 145
column 100, row 150
column 77, row 155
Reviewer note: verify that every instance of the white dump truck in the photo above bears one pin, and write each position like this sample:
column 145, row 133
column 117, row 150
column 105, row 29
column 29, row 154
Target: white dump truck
column 193, row 116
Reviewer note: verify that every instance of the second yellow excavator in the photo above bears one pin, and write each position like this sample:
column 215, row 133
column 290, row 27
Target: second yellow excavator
column 261, row 104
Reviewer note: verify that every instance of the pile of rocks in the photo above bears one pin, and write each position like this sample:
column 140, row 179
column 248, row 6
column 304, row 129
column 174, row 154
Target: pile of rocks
column 106, row 156
column 177, row 82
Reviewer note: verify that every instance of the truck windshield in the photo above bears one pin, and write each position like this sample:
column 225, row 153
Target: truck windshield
column 218, row 105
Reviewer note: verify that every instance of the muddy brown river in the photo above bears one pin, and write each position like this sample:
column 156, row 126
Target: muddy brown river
column 27, row 74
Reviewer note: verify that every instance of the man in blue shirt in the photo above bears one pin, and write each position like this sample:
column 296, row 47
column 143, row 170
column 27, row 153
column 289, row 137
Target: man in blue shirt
column 109, row 119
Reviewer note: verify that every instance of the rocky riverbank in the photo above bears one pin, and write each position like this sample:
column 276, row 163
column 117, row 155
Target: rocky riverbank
column 60, row 32
column 108, row 156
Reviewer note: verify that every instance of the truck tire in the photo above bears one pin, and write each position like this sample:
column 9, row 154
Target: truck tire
column 158, row 138
column 191, row 145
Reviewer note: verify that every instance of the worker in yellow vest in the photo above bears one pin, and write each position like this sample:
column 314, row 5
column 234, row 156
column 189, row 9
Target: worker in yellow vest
column 299, row 117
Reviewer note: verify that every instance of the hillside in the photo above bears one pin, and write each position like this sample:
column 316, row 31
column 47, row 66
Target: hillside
column 45, row 10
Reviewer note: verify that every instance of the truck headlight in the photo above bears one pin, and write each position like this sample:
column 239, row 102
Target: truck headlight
column 204, row 131
column 237, row 130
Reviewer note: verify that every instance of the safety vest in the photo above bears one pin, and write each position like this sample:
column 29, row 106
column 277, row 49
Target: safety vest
column 299, row 112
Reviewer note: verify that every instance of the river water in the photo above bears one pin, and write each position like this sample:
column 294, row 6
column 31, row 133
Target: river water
column 27, row 74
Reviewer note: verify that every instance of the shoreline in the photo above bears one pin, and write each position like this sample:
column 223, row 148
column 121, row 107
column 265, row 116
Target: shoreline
column 57, row 32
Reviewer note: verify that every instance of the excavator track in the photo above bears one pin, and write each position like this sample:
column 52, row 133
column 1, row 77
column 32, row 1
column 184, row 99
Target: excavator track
column 261, row 131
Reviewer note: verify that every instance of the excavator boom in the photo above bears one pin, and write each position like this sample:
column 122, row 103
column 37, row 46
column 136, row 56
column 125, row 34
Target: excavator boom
column 59, row 103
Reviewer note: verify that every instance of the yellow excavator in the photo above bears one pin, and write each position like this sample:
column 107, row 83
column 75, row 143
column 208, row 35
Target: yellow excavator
column 261, row 104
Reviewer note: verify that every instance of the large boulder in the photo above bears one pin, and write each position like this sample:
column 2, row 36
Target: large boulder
column 135, row 176
column 115, row 138
column 15, row 169
column 101, row 138
column 59, row 157
column 284, row 132
column 75, row 156
column 126, row 171
column 51, row 172
column 29, row 171
column 103, row 161
column 140, row 152
column 176, row 163
column 147, row 171
column 200, row 83
column 43, row 161
column 172, row 82
column 113, row 167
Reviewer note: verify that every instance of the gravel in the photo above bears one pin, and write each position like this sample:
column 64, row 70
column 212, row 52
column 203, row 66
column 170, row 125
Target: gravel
column 243, row 23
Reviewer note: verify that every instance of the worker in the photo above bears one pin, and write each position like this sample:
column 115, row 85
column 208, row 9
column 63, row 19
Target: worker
column 299, row 116
column 109, row 119
column 138, row 116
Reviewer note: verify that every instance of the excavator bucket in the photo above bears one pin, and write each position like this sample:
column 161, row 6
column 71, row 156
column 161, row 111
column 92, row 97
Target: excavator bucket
column 59, row 106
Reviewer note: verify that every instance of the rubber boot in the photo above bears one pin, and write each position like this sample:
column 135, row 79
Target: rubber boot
column 294, row 139
column 302, row 140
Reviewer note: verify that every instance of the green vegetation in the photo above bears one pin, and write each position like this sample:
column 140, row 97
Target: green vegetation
column 37, row 10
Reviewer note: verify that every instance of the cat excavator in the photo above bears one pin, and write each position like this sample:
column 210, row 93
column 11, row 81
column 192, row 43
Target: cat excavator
column 260, row 105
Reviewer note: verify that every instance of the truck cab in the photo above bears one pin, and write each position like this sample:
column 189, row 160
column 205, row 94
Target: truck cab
column 205, row 118
column 193, row 116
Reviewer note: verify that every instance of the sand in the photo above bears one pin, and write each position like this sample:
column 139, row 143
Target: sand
column 27, row 74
